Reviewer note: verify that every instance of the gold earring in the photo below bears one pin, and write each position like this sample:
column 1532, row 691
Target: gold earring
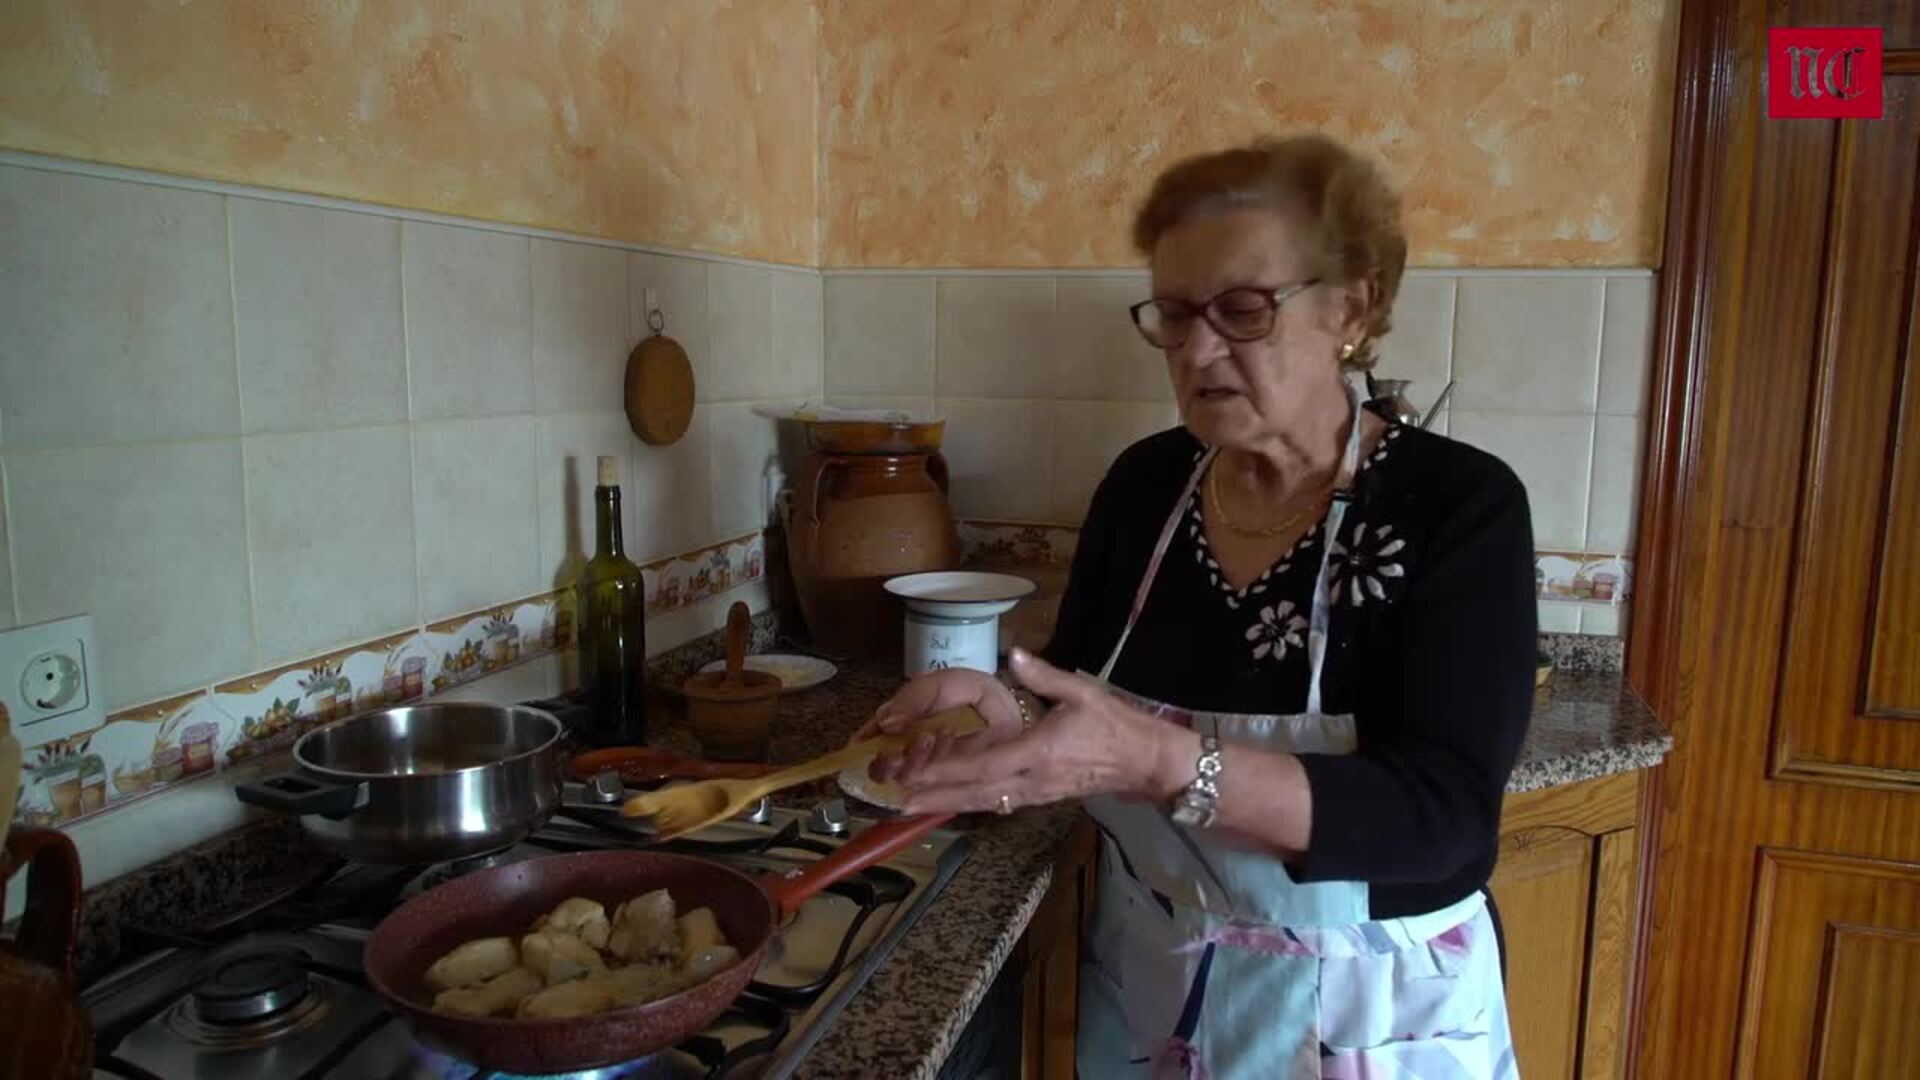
column 1347, row 350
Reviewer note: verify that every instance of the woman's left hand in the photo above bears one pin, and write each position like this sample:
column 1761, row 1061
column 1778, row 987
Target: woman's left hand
column 1090, row 743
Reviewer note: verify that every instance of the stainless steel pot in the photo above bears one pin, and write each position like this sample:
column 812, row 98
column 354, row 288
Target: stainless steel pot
column 424, row 784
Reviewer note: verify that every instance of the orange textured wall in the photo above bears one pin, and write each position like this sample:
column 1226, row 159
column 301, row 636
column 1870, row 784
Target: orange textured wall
column 1022, row 132
column 688, row 124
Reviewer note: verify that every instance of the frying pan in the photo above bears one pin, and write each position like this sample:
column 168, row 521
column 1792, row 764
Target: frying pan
column 647, row 764
column 505, row 900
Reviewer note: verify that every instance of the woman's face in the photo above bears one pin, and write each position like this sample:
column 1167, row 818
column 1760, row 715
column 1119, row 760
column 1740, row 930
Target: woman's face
column 1246, row 394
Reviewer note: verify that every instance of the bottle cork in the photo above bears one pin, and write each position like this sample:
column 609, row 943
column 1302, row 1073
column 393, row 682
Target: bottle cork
column 609, row 476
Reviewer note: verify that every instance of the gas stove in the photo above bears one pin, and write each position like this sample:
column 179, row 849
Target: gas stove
column 279, row 991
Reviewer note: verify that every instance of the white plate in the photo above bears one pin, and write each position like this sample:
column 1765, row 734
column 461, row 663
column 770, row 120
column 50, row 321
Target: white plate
column 961, row 594
column 855, row 782
column 794, row 672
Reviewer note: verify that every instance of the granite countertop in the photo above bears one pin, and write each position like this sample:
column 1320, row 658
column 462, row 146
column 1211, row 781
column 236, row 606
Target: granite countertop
column 907, row 1019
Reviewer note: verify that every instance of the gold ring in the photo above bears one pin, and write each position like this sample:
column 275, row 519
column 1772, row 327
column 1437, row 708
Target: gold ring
column 1006, row 804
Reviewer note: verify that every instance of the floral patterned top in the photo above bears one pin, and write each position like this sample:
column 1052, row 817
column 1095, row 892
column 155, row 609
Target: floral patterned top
column 1431, row 646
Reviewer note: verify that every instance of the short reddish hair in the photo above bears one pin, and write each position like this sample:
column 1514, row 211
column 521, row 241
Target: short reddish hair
column 1351, row 214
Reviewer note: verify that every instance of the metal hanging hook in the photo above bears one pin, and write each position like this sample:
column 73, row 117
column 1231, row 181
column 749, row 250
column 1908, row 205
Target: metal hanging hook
column 656, row 321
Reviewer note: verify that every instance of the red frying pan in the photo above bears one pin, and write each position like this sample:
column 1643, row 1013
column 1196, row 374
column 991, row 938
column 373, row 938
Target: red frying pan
column 506, row 900
column 648, row 764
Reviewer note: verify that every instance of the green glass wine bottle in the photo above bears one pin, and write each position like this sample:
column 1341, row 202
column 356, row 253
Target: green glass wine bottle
column 613, row 628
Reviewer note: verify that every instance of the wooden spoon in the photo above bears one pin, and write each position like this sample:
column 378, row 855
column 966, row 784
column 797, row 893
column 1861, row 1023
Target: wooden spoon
column 681, row 810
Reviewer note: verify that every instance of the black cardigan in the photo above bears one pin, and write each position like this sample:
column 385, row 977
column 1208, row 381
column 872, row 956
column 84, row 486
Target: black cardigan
column 1432, row 648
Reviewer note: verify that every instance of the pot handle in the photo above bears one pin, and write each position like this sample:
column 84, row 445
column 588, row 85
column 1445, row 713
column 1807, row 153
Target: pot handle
column 937, row 468
column 877, row 844
column 819, row 484
column 292, row 793
column 50, row 925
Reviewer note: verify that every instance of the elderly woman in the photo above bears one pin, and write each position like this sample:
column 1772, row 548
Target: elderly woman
column 1291, row 671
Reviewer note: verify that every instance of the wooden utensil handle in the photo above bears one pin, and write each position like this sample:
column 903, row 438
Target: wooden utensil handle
column 645, row 765
column 738, row 620
column 50, row 925
column 877, row 843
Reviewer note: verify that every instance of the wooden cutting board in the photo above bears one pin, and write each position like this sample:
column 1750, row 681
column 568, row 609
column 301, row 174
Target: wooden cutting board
column 659, row 390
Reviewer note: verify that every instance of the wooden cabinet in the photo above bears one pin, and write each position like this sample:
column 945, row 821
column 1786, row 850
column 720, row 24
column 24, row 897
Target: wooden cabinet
column 1566, row 887
column 1052, row 949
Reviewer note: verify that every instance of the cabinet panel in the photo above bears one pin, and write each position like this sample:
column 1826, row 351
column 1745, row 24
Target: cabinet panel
column 1544, row 888
column 1849, row 697
column 1836, row 964
column 1866, row 1022
column 1616, row 890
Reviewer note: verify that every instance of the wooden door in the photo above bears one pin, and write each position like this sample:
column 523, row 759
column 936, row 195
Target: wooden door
column 1782, row 637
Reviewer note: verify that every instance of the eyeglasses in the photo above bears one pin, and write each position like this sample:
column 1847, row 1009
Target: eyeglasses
column 1242, row 314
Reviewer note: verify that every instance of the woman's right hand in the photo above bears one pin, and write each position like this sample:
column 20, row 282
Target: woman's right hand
column 936, row 692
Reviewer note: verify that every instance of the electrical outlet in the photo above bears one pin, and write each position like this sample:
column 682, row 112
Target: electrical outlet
column 49, row 680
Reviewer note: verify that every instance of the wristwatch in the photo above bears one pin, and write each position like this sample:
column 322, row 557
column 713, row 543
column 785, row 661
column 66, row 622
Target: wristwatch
column 1199, row 802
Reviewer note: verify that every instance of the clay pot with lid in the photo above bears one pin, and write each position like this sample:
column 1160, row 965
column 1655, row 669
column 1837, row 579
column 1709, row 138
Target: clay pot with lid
column 857, row 520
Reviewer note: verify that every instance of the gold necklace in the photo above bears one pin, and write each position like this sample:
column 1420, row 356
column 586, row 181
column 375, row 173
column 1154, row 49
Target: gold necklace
column 1266, row 532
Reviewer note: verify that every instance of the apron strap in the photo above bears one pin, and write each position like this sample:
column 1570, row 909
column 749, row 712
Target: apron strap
column 1160, row 546
column 1317, row 625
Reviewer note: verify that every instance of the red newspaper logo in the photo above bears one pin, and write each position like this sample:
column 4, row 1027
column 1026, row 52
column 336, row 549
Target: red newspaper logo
column 1824, row 73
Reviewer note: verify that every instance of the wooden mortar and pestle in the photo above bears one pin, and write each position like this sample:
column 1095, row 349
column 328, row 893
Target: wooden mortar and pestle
column 732, row 710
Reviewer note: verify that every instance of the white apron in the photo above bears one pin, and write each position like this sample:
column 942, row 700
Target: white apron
column 1205, row 960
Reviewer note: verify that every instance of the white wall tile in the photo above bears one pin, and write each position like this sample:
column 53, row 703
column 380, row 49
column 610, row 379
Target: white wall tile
column 739, row 360
column 6, row 558
column 994, row 337
column 671, row 496
column 1609, row 620
column 1551, row 455
column 1626, row 345
column 1559, row 617
column 1000, row 454
column 116, row 315
column 317, row 307
column 743, row 448
column 1420, row 345
column 473, row 490
column 1087, row 437
column 1098, row 353
column 679, row 289
column 1528, row 343
column 798, row 336
column 469, row 310
column 330, row 525
column 879, row 335
column 567, row 462
column 581, row 327
column 152, row 541
column 1614, row 505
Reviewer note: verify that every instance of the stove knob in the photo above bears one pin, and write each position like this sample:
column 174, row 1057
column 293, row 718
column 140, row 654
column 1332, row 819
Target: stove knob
column 829, row 818
column 605, row 787
column 758, row 812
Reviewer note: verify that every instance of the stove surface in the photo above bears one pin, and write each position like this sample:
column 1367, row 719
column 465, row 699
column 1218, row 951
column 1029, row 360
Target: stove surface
column 279, row 991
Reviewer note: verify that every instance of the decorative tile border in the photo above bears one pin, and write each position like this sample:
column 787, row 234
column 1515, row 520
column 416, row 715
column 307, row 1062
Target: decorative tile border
column 1582, row 578
column 1565, row 576
column 188, row 737
column 1012, row 543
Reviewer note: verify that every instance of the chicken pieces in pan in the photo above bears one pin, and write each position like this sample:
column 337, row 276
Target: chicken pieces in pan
column 577, row 961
